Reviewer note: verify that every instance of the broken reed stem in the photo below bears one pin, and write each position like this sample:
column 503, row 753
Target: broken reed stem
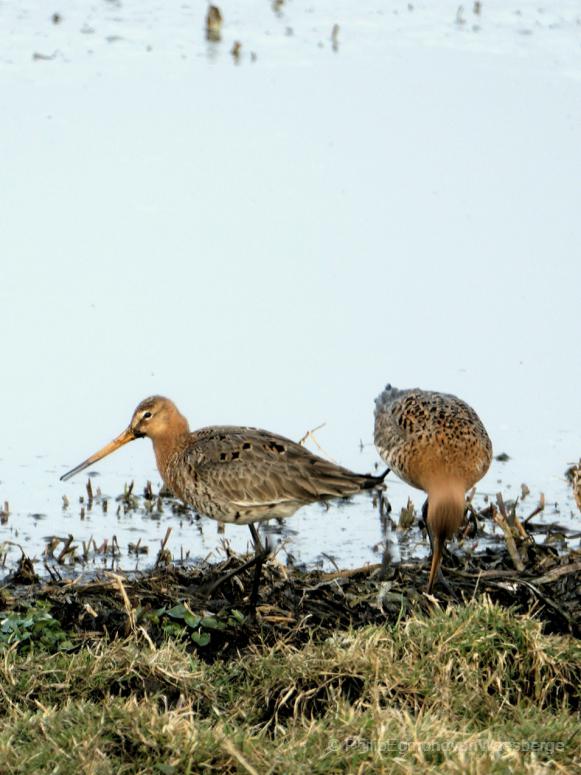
column 564, row 570
column 500, row 517
column 118, row 580
column 502, row 508
column 164, row 555
column 311, row 435
column 365, row 570
column 52, row 572
column 537, row 510
column 511, row 517
column 166, row 538
column 576, row 483
column 67, row 549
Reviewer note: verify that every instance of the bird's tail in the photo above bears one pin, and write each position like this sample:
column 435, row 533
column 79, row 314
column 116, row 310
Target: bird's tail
column 364, row 481
column 368, row 481
column 330, row 481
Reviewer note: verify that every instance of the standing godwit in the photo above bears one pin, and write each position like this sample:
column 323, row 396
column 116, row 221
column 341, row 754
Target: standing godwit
column 437, row 443
column 234, row 474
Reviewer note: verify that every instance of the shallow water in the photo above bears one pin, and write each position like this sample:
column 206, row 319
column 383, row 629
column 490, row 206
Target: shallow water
column 269, row 242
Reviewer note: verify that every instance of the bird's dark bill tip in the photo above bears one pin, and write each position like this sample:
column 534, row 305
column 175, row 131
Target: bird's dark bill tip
column 73, row 471
column 127, row 436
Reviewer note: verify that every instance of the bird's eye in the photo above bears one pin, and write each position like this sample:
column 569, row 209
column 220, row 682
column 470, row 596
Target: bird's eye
column 146, row 415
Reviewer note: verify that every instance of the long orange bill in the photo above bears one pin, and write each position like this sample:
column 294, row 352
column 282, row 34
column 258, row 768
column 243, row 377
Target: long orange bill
column 124, row 438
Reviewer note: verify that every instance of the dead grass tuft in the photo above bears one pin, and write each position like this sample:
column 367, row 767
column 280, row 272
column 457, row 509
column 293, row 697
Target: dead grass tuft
column 471, row 689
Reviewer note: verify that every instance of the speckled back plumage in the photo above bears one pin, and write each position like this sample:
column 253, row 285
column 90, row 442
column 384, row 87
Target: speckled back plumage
column 423, row 435
column 239, row 474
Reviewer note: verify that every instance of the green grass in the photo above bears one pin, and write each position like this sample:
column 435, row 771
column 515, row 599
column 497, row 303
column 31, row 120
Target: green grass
column 473, row 689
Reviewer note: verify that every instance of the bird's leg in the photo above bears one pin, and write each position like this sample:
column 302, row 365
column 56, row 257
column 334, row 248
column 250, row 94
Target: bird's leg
column 441, row 579
column 258, row 548
column 260, row 554
column 383, row 504
column 432, row 546
column 234, row 572
column 425, row 518
column 428, row 528
column 386, row 530
column 444, row 582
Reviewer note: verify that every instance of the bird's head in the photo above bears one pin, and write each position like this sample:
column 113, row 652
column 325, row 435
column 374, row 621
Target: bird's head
column 155, row 417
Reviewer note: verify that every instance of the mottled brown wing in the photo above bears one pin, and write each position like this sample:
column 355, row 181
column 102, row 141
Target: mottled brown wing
column 236, row 469
column 420, row 430
column 401, row 414
column 395, row 418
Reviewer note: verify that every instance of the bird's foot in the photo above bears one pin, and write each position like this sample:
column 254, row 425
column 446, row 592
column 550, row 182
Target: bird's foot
column 440, row 578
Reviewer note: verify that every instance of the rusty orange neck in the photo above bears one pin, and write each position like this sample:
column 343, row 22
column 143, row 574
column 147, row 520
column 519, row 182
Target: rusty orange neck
column 167, row 440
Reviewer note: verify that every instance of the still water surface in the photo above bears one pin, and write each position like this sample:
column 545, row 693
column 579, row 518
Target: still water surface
column 269, row 242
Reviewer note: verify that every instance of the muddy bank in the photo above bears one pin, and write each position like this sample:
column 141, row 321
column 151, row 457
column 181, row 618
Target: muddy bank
column 293, row 605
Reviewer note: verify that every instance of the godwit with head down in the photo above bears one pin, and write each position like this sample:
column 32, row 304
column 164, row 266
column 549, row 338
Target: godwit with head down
column 437, row 443
column 234, row 474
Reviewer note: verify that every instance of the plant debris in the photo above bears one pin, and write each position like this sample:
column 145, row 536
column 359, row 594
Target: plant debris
column 573, row 475
column 295, row 605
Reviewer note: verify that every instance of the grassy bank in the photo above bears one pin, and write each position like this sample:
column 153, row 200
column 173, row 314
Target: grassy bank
column 473, row 688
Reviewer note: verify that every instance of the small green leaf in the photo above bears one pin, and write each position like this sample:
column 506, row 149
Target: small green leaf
column 201, row 638
column 211, row 623
column 191, row 620
column 178, row 611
